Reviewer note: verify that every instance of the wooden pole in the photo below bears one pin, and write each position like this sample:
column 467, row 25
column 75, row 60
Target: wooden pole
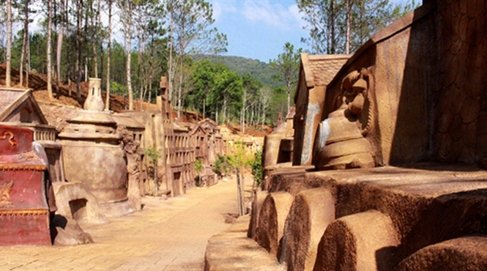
column 240, row 198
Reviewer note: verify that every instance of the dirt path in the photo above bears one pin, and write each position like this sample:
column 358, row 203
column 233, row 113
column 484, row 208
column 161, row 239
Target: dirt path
column 167, row 235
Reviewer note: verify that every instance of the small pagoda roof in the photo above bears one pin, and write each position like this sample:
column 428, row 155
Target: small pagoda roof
column 205, row 125
column 319, row 70
column 128, row 121
column 13, row 100
column 93, row 117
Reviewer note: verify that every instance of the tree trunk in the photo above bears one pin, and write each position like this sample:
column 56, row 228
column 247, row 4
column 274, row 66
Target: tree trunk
column 128, row 47
column 24, row 42
column 150, row 92
column 181, row 67
column 27, row 54
column 141, row 92
column 59, row 46
column 256, row 115
column 95, row 59
column 240, row 194
column 141, row 70
column 96, row 25
column 242, row 114
column 8, row 80
column 224, row 113
column 180, row 87
column 86, row 70
column 331, row 24
column 252, row 113
column 170, row 78
column 248, row 114
column 348, row 7
column 78, row 49
column 54, row 14
column 288, row 85
column 204, row 108
column 49, row 49
column 216, row 115
column 109, row 55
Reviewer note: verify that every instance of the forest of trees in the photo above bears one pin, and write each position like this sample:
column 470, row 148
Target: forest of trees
column 130, row 44
column 341, row 26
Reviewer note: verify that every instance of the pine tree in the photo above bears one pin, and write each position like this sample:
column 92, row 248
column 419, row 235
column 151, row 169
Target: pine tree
column 109, row 55
column 79, row 18
column 341, row 26
column 63, row 22
column 9, row 43
column 190, row 22
column 49, row 49
column 126, row 7
column 23, row 7
column 287, row 65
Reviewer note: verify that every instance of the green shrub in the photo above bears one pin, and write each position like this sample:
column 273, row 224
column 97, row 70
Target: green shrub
column 152, row 154
column 117, row 88
column 257, row 168
column 198, row 166
column 240, row 157
column 222, row 165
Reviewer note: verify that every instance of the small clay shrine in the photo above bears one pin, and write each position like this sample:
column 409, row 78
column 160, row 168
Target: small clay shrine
column 278, row 146
column 208, row 144
column 179, row 158
column 92, row 150
column 19, row 108
column 316, row 72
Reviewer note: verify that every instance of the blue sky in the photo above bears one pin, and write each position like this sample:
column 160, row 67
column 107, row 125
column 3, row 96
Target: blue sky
column 258, row 29
column 255, row 29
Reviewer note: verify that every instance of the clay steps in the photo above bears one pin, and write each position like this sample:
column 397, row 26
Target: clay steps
column 233, row 251
column 465, row 253
column 272, row 217
column 311, row 212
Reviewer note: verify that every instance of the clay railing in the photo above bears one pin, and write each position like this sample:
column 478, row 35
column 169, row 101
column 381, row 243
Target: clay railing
column 41, row 132
column 44, row 133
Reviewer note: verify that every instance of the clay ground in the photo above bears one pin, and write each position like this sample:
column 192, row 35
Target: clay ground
column 167, row 235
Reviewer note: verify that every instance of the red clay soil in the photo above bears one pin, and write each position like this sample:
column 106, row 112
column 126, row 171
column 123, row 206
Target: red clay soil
column 65, row 94
column 187, row 116
column 38, row 84
column 257, row 131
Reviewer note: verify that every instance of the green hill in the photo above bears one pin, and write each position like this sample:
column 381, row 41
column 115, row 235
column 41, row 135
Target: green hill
column 259, row 70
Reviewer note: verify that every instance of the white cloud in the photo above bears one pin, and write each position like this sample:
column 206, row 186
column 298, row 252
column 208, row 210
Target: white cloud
column 223, row 6
column 297, row 15
column 272, row 13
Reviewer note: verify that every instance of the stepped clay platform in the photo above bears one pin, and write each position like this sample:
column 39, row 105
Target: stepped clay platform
column 422, row 181
column 372, row 219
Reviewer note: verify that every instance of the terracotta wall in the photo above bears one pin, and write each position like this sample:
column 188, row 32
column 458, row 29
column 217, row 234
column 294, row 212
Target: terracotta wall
column 400, row 61
column 405, row 72
column 461, row 28
column 430, row 78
